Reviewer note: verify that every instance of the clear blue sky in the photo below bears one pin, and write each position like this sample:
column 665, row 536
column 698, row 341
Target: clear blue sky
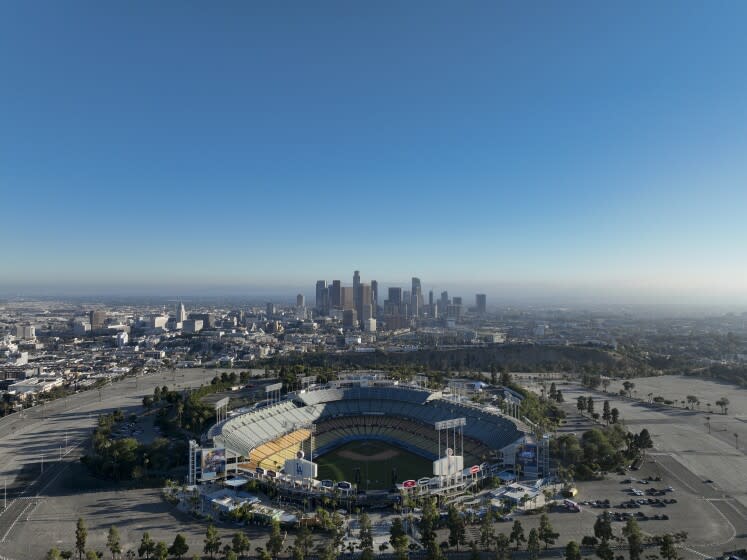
column 555, row 147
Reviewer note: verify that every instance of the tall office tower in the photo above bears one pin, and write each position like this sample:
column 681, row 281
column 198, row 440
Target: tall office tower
column 481, row 303
column 346, row 298
column 366, row 297
column 367, row 313
column 181, row 313
column 357, row 291
column 444, row 301
column 349, row 318
column 456, row 300
column 98, row 318
column 431, row 306
column 300, row 301
column 406, row 300
column 270, row 309
column 321, row 288
column 374, row 296
column 416, row 301
column 335, row 295
column 395, row 296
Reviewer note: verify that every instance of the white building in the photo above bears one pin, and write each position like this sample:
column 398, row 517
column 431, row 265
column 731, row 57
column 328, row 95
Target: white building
column 158, row 321
column 25, row 332
column 122, row 338
column 181, row 313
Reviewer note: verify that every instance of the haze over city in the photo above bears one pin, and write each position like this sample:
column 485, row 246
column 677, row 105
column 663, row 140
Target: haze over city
column 580, row 151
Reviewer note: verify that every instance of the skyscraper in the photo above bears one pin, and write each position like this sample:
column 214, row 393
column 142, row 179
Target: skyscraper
column 300, row 301
column 98, row 318
column 366, row 296
column 335, row 295
column 350, row 319
column 357, row 291
column 395, row 296
column 374, row 296
column 181, row 313
column 444, row 299
column 322, row 297
column 481, row 303
column 416, row 298
column 346, row 298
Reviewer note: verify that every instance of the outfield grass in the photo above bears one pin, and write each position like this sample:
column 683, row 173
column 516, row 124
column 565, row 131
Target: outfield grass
column 335, row 465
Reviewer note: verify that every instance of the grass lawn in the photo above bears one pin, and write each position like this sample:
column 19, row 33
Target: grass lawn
column 375, row 459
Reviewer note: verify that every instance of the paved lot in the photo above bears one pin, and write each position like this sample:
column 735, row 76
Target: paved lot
column 53, row 436
column 685, row 453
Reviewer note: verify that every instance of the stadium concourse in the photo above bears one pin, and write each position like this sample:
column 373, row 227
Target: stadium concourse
column 321, row 419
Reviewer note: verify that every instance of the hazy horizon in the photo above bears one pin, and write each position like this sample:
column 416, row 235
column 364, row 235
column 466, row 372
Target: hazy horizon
column 497, row 295
column 581, row 151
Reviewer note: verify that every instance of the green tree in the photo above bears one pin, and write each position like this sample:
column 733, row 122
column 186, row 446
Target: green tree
column 614, row 415
column 398, row 539
column 337, row 530
column 572, row 551
column 428, row 522
column 667, row 549
column 533, row 545
column 604, row 551
column 240, row 543
column 457, row 531
column 581, row 404
column 502, row 543
column 179, row 547
column 303, row 542
column 546, row 533
column 628, row 386
column 474, row 552
column 92, row 555
column 635, row 538
column 147, row 546
column 81, row 534
column 366, row 536
column 53, row 554
column 603, row 527
column 212, row 541
column 328, row 552
column 161, row 551
column 590, row 405
column 112, row 542
column 275, row 542
column 643, row 440
column 606, row 411
column 487, row 532
column 517, row 534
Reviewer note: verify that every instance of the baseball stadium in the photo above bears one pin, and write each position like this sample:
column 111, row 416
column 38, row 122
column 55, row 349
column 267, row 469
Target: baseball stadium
column 365, row 435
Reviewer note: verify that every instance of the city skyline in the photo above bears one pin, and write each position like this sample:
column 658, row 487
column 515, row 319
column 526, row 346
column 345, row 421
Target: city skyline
column 524, row 152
